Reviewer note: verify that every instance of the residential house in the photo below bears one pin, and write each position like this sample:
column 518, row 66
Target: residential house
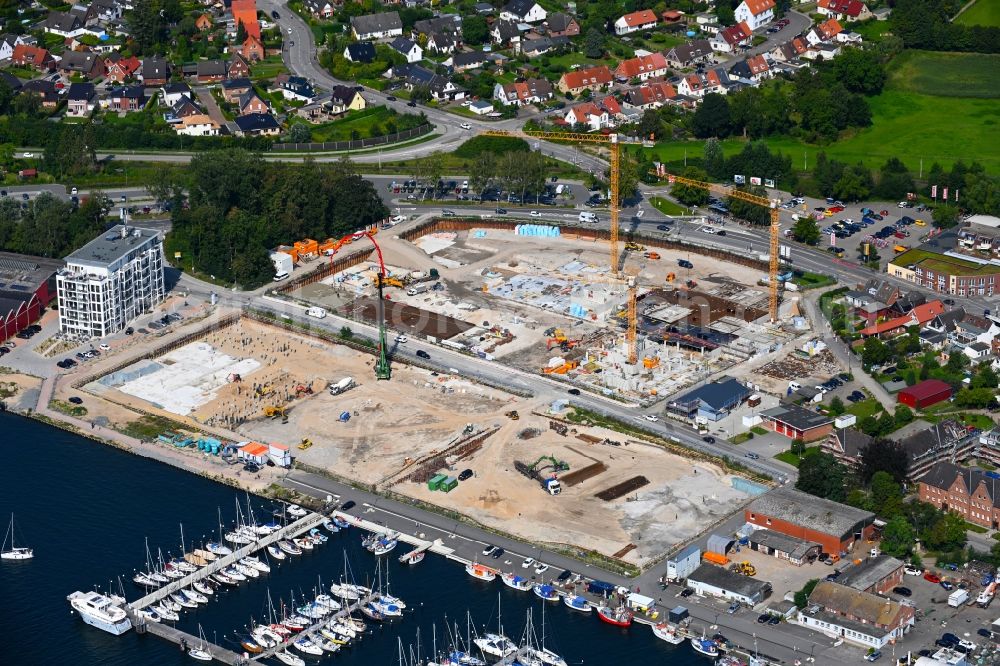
column 64, row 24
column 588, row 114
column 81, row 100
column 642, row 67
column 823, row 32
column 918, row 316
column 650, row 95
column 183, row 108
column 252, row 49
column 533, row 47
column 119, row 70
column 250, row 103
column 698, row 85
column 127, row 99
column 154, row 72
column 529, row 91
column 344, row 99
column 35, row 57
column 790, row 50
column 686, row 55
column 413, row 75
column 45, row 90
column 447, row 24
column 442, row 89
column 971, row 493
column 440, row 42
column 7, row 44
column 823, row 51
column 12, row 81
column 462, row 62
column 245, row 14
column 756, row 13
column 233, row 89
column 484, row 9
column 257, row 124
column 844, row 10
column 407, row 48
column 238, row 67
column 505, row 34
column 363, row 52
column 644, row 19
column 561, row 25
column 923, row 445
column 376, row 26
column 733, row 38
column 321, row 9
column 712, row 401
column 592, row 78
column 210, row 71
column 106, row 11
column 754, row 68
column 197, row 125
column 857, row 617
column 523, row 11
column 84, row 63
column 86, row 13
column 846, row 444
column 204, row 22
column 294, row 88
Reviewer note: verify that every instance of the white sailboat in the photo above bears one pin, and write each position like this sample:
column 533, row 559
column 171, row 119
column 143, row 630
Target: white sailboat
column 16, row 552
column 200, row 653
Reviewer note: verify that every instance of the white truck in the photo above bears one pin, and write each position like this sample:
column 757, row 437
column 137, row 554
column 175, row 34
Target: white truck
column 588, row 217
column 417, row 289
column 318, row 313
column 958, row 597
column 343, row 385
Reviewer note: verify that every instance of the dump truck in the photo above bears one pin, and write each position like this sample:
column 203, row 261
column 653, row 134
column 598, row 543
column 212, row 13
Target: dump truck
column 345, row 384
column 512, row 415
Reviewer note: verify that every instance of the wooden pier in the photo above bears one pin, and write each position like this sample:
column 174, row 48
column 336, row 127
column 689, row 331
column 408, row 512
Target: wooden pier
column 185, row 639
column 312, row 629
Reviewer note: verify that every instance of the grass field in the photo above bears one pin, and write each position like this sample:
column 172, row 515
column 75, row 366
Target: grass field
column 907, row 122
column 984, row 12
column 360, row 121
column 667, row 207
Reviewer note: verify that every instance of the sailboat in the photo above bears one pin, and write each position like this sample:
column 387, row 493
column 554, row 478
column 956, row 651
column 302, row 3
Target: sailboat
column 16, row 552
column 495, row 645
column 200, row 653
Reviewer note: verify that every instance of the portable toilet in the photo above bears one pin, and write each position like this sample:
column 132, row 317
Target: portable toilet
column 345, row 417
column 435, row 482
column 448, row 484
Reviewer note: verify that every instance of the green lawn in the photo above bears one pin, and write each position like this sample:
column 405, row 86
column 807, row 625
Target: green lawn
column 946, row 74
column 667, row 207
column 794, row 459
column 865, row 408
column 362, row 122
column 269, row 68
column 984, row 12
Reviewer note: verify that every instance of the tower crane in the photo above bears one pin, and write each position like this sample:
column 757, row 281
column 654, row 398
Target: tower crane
column 610, row 140
column 775, row 229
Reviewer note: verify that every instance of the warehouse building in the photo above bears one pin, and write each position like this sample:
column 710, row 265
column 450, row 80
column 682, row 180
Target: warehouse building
column 834, row 526
column 924, row 394
column 797, row 422
column 784, row 547
column 681, row 565
column 110, row 281
column 710, row 580
column 877, row 575
column 27, row 286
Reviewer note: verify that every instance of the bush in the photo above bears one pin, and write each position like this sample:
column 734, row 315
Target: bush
column 497, row 145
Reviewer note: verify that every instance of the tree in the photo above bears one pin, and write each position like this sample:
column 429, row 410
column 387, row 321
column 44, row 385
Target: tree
column 712, row 117
column 855, row 184
column 798, row 446
column 690, row 195
column 894, row 180
column 979, row 398
column 885, row 456
column 806, row 230
column 897, row 537
column 836, row 406
column 947, row 533
column 887, row 495
column 475, row 30
column 299, row 133
column 713, row 159
column 593, row 44
column 875, row 352
column 745, row 210
column 420, row 94
column 986, row 377
column 902, row 415
column 820, row 474
column 346, row 333
column 628, row 177
column 651, row 124
column 482, row 173
column 946, row 216
column 860, row 71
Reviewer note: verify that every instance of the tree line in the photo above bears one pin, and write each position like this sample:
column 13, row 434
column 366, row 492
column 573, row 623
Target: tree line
column 926, row 24
column 239, row 206
column 50, row 226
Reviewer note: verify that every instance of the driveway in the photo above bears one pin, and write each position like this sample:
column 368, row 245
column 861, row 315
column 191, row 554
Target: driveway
column 208, row 101
column 798, row 23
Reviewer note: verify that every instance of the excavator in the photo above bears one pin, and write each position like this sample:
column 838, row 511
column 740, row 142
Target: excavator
column 634, row 247
column 556, row 464
column 273, row 412
column 303, row 389
column 388, row 281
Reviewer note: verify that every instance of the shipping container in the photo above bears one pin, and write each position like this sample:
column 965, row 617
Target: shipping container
column 435, row 482
column 715, row 558
column 449, row 484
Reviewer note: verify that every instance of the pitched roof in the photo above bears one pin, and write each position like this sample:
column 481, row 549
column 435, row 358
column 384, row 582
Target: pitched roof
column 245, row 12
column 62, row 21
column 720, row 394
column 402, row 44
column 559, row 22
column 528, row 89
column 211, row 68
column 342, row 95
column 445, row 23
column 852, row 8
column 829, row 28
column 758, row 7
column 593, row 76
column 641, row 65
column 372, row 23
column 254, row 448
column 864, row 606
column 237, row 84
column 919, row 315
column 256, row 122
column 79, row 61
column 650, row 93
column 927, row 388
column 852, row 441
column 641, row 17
column 611, row 105
column 80, row 91
column 519, row 7
column 697, row 48
column 582, row 111
column 799, row 508
column 869, row 572
column 198, row 119
column 129, row 92
column 154, row 68
column 943, row 474
column 361, row 51
column 735, row 34
column 30, row 54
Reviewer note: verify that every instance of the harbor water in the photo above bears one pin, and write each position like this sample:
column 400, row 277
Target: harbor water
column 87, row 509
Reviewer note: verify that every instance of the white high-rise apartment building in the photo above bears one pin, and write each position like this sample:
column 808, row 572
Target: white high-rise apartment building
column 110, row 281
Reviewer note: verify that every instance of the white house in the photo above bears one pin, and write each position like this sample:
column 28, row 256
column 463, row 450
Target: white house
column 197, row 125
column 757, row 13
column 641, row 20
column 589, row 114
column 523, row 11
column 408, row 49
column 376, row 26
column 7, row 44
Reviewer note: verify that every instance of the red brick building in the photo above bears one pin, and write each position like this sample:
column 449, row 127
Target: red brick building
column 924, row 394
column 797, row 422
column 877, row 575
column 27, row 286
column 834, row 526
column 967, row 492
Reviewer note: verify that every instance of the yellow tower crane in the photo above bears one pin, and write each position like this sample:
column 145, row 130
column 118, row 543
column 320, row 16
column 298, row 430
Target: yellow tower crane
column 610, row 140
column 772, row 206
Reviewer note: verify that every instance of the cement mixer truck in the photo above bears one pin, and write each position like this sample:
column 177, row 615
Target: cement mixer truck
column 344, row 385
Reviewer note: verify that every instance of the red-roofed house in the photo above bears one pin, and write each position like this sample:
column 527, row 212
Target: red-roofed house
column 245, row 12
column 754, row 68
column 643, row 67
column 26, row 55
column 530, row 91
column 613, row 107
column 732, row 38
column 252, row 49
column 918, row 316
column 756, row 13
column 823, row 32
column 699, row 85
column 122, row 69
column 588, row 114
column 641, row 20
column 585, row 79
column 844, row 10
column 650, row 95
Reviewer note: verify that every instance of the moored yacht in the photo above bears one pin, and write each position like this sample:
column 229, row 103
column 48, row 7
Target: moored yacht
column 98, row 611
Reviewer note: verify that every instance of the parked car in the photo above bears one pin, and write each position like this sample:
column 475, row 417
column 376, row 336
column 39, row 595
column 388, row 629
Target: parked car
column 874, row 656
column 466, row 474
column 931, row 577
column 76, row 400
column 763, row 618
column 709, row 439
column 773, row 620
column 488, row 550
column 422, row 354
column 911, row 570
column 687, row 592
column 498, row 553
column 903, row 591
column 947, row 586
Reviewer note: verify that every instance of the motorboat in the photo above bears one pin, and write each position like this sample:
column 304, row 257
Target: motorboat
column 340, row 522
column 275, row 552
column 415, row 556
column 99, row 611
column 326, row 644
column 289, row 547
column 495, row 645
column 619, row 617
column 206, row 555
column 330, row 526
column 705, row 646
column 256, row 563
column 303, row 543
column 516, row 582
column 165, row 613
column 481, row 571
column 251, row 646
column 306, row 646
column 218, row 549
column 196, row 596
column 316, row 534
column 577, row 603
column 329, row 602
column 296, row 510
column 203, row 587
column 546, row 592
column 15, row 552
column 667, row 632
column 287, row 657
column 149, row 614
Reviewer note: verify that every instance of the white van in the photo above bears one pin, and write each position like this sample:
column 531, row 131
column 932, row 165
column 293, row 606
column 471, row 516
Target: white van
column 588, row 217
column 318, row 313
column 560, row 189
column 278, row 277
